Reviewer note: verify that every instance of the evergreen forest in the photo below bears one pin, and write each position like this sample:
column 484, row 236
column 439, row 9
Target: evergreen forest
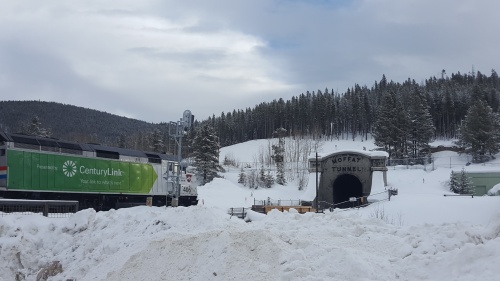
column 332, row 115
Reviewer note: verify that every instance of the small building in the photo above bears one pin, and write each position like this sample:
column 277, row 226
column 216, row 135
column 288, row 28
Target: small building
column 483, row 181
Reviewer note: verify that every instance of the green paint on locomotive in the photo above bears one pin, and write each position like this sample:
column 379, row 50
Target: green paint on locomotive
column 53, row 172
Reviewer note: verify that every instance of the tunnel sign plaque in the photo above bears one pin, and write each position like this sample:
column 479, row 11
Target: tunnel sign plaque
column 346, row 163
column 343, row 158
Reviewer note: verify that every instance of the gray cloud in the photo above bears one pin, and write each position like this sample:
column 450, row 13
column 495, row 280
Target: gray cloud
column 153, row 59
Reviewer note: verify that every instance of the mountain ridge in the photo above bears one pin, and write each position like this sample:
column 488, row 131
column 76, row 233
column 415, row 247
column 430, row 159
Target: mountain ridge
column 70, row 122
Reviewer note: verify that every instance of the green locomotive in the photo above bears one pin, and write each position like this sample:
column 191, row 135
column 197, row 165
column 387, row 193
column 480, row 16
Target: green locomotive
column 97, row 176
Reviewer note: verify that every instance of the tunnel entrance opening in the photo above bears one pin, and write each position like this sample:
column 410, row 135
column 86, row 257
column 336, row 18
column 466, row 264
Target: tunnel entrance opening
column 345, row 187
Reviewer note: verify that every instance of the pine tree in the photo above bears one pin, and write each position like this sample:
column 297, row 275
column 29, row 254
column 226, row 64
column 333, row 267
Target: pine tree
column 242, row 178
column 33, row 128
column 279, row 156
column 454, row 183
column 156, row 141
column 261, row 181
column 268, row 180
column 466, row 186
column 479, row 133
column 252, row 180
column 121, row 141
column 205, row 147
column 391, row 127
column 421, row 128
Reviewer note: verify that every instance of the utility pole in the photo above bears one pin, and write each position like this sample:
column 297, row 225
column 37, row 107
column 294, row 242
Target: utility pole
column 177, row 130
column 317, row 187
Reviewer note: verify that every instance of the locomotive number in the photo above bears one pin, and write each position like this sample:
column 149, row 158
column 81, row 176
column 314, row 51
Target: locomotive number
column 186, row 189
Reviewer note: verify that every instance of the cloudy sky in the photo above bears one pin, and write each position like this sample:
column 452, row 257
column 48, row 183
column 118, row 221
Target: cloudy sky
column 152, row 59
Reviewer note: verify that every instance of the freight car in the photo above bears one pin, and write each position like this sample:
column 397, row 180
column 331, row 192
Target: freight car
column 97, row 176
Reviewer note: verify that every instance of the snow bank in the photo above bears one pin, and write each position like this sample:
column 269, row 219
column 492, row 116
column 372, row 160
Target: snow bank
column 309, row 193
column 495, row 190
column 201, row 243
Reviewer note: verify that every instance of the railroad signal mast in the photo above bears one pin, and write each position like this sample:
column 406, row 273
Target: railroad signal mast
column 177, row 130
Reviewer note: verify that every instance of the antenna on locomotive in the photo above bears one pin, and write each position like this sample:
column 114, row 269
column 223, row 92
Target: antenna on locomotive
column 179, row 130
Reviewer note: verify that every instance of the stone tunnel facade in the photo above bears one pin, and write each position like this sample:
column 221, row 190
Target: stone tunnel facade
column 345, row 174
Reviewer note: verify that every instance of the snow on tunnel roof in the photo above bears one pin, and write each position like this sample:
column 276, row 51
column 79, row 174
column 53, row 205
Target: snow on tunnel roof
column 322, row 155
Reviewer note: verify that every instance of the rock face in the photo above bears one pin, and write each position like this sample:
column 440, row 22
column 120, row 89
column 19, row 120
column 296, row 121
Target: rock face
column 50, row 270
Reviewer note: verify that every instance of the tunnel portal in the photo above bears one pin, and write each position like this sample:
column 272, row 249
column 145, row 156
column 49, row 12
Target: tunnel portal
column 346, row 174
column 345, row 187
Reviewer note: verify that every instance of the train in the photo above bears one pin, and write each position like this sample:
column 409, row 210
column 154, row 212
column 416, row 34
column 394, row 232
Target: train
column 97, row 176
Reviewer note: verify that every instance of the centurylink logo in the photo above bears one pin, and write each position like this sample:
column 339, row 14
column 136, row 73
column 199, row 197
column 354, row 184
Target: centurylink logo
column 69, row 168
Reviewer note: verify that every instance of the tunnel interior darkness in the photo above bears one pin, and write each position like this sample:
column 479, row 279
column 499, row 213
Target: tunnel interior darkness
column 344, row 187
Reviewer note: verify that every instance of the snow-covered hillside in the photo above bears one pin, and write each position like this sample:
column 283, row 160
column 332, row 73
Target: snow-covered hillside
column 418, row 235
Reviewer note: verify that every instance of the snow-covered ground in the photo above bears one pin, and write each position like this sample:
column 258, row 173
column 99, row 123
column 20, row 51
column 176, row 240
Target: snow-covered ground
column 418, row 235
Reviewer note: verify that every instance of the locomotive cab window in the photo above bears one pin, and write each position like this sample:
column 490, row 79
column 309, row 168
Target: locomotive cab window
column 2, row 152
column 173, row 167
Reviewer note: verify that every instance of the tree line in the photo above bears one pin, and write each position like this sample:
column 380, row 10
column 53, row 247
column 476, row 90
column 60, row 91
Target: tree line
column 331, row 115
